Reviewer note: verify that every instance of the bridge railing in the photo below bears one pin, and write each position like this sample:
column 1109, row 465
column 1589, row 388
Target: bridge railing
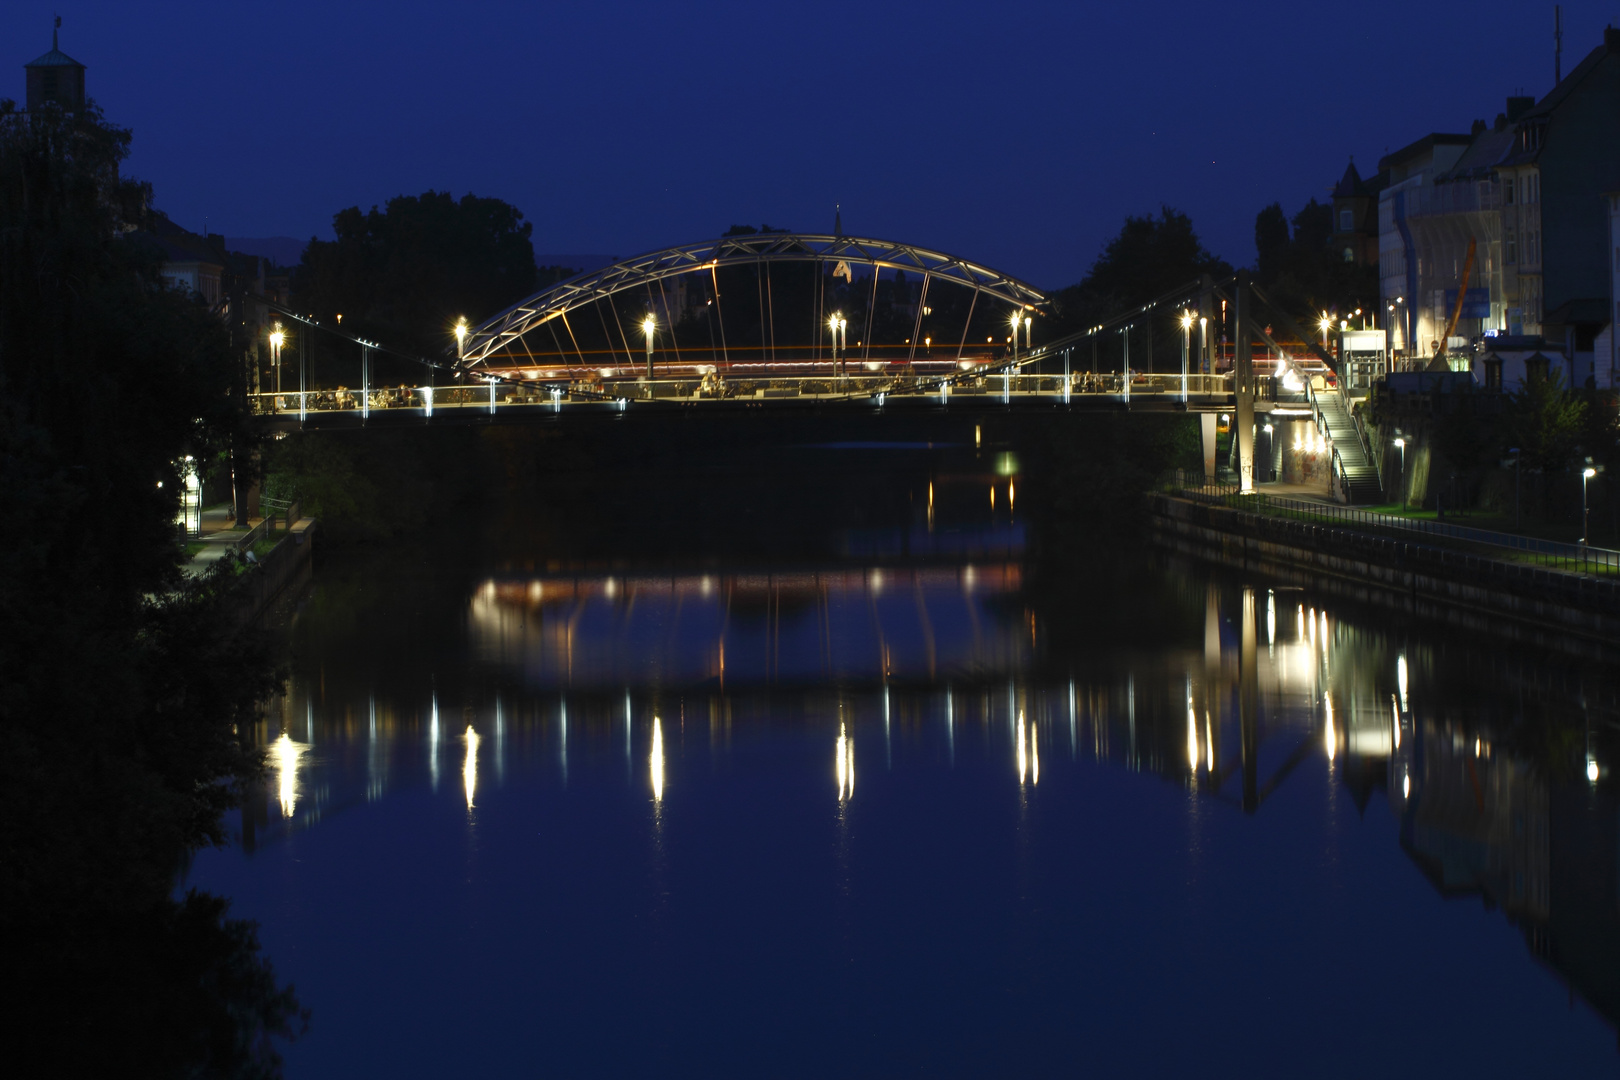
column 858, row 385
column 1577, row 558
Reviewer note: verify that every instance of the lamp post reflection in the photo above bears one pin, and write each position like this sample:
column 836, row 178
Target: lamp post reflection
column 1034, row 756
column 844, row 765
column 655, row 761
column 286, row 756
column 469, row 767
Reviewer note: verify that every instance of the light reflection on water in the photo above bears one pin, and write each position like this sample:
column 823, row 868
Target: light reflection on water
column 1243, row 728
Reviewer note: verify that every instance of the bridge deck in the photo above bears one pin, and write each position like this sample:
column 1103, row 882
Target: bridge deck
column 525, row 402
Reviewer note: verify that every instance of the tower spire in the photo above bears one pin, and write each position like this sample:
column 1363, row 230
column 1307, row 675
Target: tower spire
column 54, row 31
column 838, row 219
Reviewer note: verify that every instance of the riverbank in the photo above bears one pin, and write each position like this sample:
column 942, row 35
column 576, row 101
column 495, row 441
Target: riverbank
column 285, row 557
column 1551, row 608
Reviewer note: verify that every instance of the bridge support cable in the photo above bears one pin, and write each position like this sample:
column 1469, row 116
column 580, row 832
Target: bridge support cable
column 1291, row 327
column 432, row 366
column 1288, row 326
column 967, row 327
column 871, row 310
column 714, row 277
column 619, row 322
column 770, row 307
column 759, row 290
column 916, row 329
column 577, row 350
column 674, row 341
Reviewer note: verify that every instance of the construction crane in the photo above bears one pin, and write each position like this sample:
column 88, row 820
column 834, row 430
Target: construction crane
column 1438, row 361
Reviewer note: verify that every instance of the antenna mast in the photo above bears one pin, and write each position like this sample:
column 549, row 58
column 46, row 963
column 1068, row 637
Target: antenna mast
column 1558, row 44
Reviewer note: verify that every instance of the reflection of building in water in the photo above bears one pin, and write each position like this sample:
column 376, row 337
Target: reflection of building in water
column 895, row 624
column 1477, row 820
column 1480, row 821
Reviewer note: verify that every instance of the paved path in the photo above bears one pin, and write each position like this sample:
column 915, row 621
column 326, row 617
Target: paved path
column 219, row 537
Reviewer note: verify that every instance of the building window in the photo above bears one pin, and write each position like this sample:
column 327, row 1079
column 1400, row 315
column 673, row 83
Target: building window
column 1349, row 255
column 1347, row 221
column 1493, row 374
column 1535, row 367
column 1512, row 247
column 1507, row 192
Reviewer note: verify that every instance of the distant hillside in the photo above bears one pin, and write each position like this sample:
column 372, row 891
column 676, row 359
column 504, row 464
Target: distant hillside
column 281, row 250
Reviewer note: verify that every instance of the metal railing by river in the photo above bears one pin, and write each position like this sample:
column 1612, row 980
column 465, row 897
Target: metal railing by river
column 1577, row 558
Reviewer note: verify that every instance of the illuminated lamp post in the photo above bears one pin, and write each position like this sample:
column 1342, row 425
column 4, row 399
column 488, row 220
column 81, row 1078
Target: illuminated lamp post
column 1186, row 351
column 649, row 326
column 1400, row 444
column 1586, row 474
column 277, row 338
column 838, row 325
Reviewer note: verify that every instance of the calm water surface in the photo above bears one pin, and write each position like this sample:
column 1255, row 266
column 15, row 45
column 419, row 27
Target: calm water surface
column 907, row 809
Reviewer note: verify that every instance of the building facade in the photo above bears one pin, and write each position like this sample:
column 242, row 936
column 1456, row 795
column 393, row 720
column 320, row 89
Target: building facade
column 1355, row 216
column 1524, row 195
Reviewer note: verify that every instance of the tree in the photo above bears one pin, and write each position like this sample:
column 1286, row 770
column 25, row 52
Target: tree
column 123, row 684
column 403, row 275
column 1545, row 421
column 1302, row 272
column 1148, row 258
column 1271, row 242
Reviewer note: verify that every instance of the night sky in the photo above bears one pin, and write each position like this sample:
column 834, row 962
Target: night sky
column 1018, row 135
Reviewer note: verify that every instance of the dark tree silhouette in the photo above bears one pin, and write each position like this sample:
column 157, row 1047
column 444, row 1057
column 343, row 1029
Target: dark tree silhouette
column 123, row 684
column 404, row 274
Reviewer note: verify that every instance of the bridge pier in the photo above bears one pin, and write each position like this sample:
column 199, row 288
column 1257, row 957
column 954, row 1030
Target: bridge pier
column 1206, row 435
column 1243, row 384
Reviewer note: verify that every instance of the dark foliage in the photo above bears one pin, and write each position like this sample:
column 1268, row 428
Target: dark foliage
column 1150, row 256
column 1302, row 272
column 1545, row 422
column 122, row 683
column 403, row 275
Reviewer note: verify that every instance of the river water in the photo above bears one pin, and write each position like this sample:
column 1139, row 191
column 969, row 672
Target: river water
column 900, row 802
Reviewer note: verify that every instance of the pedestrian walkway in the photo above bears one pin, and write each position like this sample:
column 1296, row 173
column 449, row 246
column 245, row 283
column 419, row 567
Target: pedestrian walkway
column 219, row 536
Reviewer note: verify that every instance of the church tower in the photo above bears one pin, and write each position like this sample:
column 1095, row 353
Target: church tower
column 55, row 77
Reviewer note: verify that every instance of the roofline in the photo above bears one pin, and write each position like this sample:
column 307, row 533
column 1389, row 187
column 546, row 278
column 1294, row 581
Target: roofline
column 1429, row 141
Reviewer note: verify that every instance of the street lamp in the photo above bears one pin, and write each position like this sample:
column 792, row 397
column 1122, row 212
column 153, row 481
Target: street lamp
column 1324, row 324
column 1400, row 444
column 838, row 324
column 648, row 326
column 1586, row 474
column 1186, row 350
column 277, row 338
column 461, row 338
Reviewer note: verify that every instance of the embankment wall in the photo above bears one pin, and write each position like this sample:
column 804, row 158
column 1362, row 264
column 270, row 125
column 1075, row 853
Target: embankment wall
column 1550, row 608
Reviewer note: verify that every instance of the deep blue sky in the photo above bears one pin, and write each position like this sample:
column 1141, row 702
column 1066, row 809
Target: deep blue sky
column 1019, row 135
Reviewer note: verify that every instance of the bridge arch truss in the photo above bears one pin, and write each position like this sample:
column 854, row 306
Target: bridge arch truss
column 503, row 333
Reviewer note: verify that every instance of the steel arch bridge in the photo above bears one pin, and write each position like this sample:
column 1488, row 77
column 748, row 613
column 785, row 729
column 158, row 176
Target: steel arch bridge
column 504, row 332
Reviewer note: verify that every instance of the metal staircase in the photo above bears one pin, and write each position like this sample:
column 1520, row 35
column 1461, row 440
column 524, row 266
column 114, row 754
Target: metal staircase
column 1361, row 483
